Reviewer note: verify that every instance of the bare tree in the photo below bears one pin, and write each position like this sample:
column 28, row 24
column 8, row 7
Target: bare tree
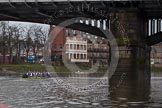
column 15, row 37
column 14, row 34
column 3, row 27
column 39, row 36
column 44, row 34
column 10, row 45
column 27, row 39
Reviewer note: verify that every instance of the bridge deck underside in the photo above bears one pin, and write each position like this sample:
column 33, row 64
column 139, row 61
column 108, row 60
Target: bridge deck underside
column 39, row 11
column 154, row 39
column 57, row 12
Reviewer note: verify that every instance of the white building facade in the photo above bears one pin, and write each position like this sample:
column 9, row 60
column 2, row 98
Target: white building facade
column 76, row 49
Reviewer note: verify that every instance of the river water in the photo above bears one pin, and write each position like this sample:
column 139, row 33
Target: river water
column 46, row 93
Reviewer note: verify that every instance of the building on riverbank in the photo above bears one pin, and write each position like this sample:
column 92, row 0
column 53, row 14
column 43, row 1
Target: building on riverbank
column 76, row 49
column 98, row 53
column 78, row 46
column 58, row 40
column 156, row 54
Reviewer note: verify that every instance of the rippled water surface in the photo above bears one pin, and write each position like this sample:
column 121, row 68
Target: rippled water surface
column 45, row 93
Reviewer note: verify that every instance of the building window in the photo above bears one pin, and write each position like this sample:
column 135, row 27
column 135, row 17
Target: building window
column 60, row 56
column 74, row 33
column 74, row 56
column 81, row 47
column 84, row 47
column 77, row 47
column 84, row 56
column 70, row 46
column 71, row 56
column 81, row 56
column 77, row 56
column 55, row 46
column 61, row 46
column 67, row 46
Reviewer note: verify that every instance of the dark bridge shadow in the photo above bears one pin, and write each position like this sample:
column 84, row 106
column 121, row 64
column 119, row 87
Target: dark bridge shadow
column 130, row 83
column 154, row 39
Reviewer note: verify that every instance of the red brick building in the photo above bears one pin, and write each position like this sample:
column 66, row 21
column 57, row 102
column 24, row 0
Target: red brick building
column 58, row 39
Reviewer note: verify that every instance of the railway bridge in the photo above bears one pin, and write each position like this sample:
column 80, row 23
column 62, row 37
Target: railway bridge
column 136, row 25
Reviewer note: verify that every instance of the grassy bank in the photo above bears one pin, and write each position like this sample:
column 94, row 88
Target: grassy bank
column 156, row 69
column 23, row 68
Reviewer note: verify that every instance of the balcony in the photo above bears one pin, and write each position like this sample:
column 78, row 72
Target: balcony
column 79, row 60
column 97, row 50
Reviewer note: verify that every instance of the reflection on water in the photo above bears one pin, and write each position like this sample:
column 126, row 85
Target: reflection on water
column 19, row 93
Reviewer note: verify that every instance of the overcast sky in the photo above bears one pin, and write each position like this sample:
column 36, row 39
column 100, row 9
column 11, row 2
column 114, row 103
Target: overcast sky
column 26, row 24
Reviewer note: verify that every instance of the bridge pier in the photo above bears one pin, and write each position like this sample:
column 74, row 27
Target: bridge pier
column 131, row 79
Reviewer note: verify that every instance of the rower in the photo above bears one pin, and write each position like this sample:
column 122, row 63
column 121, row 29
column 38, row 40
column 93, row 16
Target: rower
column 48, row 74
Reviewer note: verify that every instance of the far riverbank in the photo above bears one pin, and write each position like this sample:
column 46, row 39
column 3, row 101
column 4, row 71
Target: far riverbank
column 19, row 69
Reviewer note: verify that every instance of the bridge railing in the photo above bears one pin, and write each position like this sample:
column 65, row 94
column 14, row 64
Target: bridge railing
column 154, row 26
